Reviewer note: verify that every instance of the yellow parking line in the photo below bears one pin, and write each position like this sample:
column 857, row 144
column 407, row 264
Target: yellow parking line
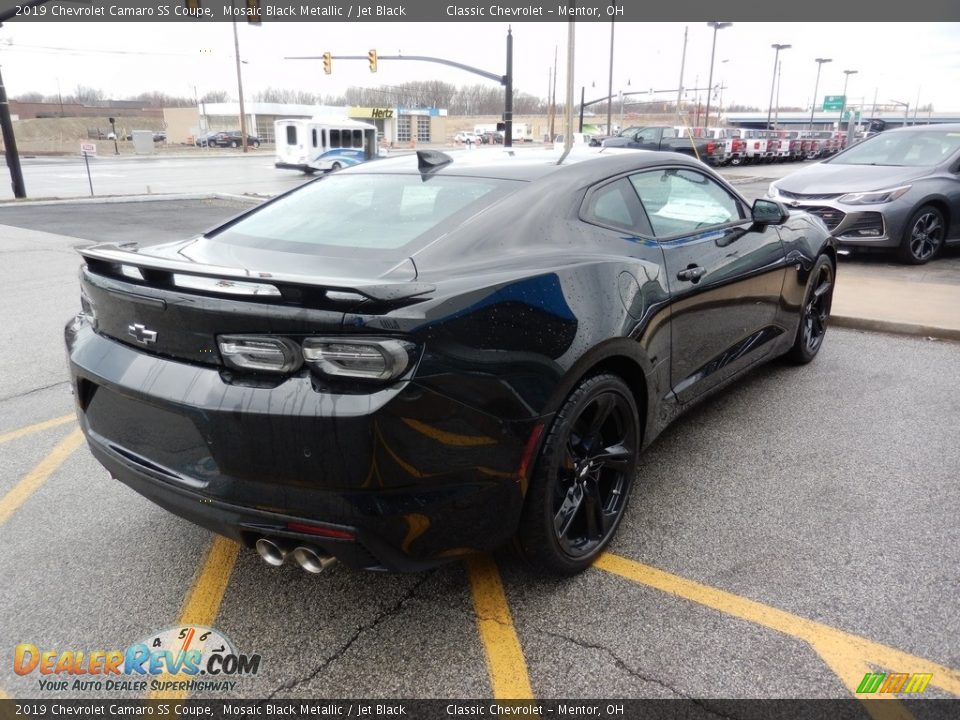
column 203, row 601
column 36, row 427
column 841, row 650
column 36, row 477
column 505, row 661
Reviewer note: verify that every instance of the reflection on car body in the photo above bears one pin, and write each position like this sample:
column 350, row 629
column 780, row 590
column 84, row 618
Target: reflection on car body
column 406, row 361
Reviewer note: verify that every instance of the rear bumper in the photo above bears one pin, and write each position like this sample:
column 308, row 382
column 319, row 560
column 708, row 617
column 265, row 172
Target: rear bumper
column 418, row 478
column 302, row 167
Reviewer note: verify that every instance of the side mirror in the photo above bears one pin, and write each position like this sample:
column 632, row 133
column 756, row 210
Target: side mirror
column 769, row 212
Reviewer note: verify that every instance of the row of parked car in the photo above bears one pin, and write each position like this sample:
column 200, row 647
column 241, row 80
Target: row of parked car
column 733, row 146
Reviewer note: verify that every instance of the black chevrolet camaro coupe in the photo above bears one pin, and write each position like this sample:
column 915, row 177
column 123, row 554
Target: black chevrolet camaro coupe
column 416, row 358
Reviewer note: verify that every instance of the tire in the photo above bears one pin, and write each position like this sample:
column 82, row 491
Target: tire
column 814, row 313
column 582, row 479
column 923, row 236
column 736, row 161
column 335, row 166
column 255, row 143
column 234, row 143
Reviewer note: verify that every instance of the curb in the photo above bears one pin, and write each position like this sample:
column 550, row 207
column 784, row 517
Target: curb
column 895, row 328
column 110, row 199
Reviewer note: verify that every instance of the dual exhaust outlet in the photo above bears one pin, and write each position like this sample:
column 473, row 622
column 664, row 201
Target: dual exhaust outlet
column 276, row 552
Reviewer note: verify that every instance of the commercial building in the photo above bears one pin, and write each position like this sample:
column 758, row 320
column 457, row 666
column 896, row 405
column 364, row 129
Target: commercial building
column 395, row 125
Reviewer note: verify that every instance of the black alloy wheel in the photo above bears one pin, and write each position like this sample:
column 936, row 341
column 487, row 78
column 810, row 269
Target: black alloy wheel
column 815, row 312
column 582, row 480
column 923, row 236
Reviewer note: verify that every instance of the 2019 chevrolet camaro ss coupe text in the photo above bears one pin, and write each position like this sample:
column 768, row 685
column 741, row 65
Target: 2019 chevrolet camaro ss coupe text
column 403, row 362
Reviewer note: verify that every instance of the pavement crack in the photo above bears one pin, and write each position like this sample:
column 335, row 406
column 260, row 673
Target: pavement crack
column 358, row 633
column 633, row 672
column 34, row 390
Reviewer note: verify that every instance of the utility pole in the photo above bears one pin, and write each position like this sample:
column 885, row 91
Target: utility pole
column 776, row 110
column 610, row 83
column 553, row 97
column 583, row 90
column 683, row 62
column 508, row 93
column 243, row 112
column 10, row 146
column 568, row 120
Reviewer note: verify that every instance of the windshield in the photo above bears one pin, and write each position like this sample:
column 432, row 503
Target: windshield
column 915, row 148
column 349, row 212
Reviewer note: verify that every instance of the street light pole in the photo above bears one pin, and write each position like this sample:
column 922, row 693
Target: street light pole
column 716, row 26
column 816, row 84
column 773, row 80
column 843, row 105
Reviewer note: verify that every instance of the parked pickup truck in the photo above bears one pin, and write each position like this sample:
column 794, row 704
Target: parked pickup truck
column 664, row 137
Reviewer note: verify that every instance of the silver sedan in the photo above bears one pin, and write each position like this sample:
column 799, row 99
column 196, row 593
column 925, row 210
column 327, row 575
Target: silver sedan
column 897, row 190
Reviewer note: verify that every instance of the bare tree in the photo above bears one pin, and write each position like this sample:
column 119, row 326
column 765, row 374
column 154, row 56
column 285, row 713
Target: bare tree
column 88, row 95
column 214, row 96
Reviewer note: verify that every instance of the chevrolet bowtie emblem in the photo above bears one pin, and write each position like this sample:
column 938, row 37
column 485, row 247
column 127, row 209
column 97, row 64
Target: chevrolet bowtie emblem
column 141, row 334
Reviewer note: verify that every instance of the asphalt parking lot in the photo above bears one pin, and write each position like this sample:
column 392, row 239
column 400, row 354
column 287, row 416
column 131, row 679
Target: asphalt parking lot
column 783, row 539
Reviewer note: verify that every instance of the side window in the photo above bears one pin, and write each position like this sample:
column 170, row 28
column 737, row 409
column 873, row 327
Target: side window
column 681, row 201
column 647, row 135
column 615, row 205
column 313, row 136
column 334, row 138
column 358, row 138
column 291, row 134
column 669, row 133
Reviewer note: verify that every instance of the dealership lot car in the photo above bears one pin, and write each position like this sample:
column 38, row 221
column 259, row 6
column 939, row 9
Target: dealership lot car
column 402, row 362
column 898, row 190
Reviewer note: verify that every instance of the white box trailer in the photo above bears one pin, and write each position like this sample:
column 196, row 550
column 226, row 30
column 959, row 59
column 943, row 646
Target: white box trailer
column 324, row 143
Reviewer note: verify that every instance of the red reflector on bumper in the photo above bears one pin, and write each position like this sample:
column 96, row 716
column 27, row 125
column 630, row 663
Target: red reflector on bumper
column 321, row 531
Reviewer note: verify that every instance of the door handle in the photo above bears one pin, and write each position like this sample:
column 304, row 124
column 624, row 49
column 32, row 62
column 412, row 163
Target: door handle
column 693, row 273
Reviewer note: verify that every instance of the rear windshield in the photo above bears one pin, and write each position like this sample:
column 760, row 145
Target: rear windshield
column 911, row 148
column 379, row 212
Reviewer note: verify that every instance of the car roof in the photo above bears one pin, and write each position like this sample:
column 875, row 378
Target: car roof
column 942, row 127
column 529, row 164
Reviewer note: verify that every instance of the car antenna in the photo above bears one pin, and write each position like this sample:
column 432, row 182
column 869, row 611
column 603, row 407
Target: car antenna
column 429, row 160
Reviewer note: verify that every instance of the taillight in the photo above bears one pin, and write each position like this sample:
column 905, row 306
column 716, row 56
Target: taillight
column 710, row 148
column 363, row 358
column 756, row 145
column 260, row 353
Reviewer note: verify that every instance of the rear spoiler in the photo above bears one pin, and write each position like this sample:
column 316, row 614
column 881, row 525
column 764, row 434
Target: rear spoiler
column 112, row 258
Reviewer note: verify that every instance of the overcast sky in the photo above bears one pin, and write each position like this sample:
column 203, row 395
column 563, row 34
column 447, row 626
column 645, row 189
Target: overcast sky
column 898, row 60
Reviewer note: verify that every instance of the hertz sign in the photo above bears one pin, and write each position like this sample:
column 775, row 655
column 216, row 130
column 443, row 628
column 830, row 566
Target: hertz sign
column 375, row 113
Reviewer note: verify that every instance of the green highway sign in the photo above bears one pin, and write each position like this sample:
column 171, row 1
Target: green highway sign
column 833, row 102
column 856, row 115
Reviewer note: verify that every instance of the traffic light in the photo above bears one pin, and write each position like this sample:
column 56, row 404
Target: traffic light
column 372, row 57
column 327, row 63
column 253, row 12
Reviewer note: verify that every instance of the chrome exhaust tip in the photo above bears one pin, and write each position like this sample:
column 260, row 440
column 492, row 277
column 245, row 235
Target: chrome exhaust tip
column 271, row 552
column 313, row 561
